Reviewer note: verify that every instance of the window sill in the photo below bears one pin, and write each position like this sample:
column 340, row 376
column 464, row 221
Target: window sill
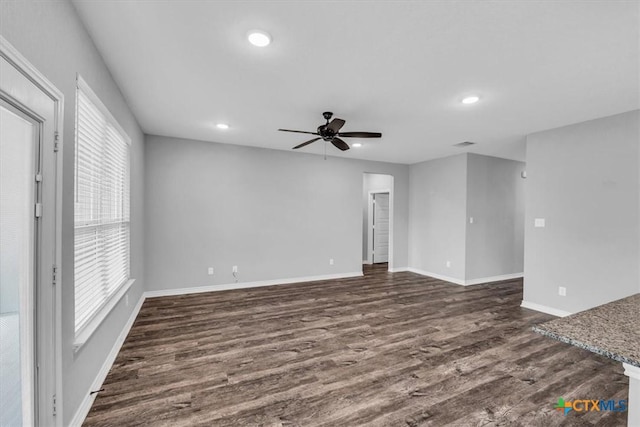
column 86, row 332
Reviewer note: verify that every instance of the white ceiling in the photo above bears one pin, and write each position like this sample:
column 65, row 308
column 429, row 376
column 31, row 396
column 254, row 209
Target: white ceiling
column 395, row 67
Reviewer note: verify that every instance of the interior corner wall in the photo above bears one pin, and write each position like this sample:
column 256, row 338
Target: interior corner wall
column 51, row 36
column 495, row 201
column 437, row 206
column 371, row 182
column 275, row 214
column 583, row 180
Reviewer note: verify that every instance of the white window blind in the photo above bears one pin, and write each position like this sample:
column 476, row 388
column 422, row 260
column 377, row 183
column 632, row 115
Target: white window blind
column 102, row 225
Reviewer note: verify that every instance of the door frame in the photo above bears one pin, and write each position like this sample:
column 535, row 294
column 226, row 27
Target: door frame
column 370, row 207
column 53, row 378
column 28, row 297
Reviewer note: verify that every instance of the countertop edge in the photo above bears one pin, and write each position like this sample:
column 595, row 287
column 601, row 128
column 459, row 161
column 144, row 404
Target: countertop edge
column 585, row 346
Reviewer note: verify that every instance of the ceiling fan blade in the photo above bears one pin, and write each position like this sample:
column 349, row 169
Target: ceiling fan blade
column 305, row 143
column 298, row 131
column 340, row 144
column 360, row 134
column 336, row 125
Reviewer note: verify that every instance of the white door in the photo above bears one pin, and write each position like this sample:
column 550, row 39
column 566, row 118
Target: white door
column 28, row 250
column 380, row 227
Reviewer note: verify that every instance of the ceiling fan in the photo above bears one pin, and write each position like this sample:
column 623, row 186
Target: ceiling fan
column 330, row 132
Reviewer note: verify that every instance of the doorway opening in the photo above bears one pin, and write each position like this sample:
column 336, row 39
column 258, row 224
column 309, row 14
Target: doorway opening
column 30, row 226
column 377, row 220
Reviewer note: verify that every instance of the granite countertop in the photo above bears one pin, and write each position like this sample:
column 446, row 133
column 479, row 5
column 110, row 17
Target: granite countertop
column 612, row 330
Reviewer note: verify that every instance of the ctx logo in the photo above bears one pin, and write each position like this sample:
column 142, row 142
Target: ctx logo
column 590, row 405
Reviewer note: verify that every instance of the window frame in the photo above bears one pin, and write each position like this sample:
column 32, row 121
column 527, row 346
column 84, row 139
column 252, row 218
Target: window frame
column 83, row 333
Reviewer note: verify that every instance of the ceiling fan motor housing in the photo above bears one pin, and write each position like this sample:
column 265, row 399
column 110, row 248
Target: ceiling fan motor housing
column 323, row 131
column 326, row 133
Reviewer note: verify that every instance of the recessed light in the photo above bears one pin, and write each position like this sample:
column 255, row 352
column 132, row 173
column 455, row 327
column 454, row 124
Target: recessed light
column 356, row 144
column 470, row 99
column 259, row 38
column 222, row 126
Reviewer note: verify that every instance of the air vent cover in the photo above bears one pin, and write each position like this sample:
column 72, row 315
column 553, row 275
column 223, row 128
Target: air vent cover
column 464, row 144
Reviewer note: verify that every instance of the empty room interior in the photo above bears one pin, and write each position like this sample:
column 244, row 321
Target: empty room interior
column 319, row 213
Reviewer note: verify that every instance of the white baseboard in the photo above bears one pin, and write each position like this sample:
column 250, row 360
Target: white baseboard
column 85, row 406
column 398, row 269
column 469, row 282
column 245, row 285
column 544, row 309
column 436, row 276
column 366, row 262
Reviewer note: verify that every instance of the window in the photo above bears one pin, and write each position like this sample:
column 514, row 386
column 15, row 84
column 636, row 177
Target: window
column 102, row 225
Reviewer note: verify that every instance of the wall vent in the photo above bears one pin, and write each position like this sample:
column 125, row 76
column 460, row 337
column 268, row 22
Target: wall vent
column 463, row 144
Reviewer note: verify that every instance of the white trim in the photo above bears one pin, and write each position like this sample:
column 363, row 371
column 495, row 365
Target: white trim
column 544, row 309
column 21, row 63
column 436, row 276
column 481, row 280
column 257, row 284
column 631, row 371
column 398, row 269
column 462, row 282
column 14, row 56
column 87, row 330
column 633, row 415
column 370, row 210
column 366, row 262
column 85, row 406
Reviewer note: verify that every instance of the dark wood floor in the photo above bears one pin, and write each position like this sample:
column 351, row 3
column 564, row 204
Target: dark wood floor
column 388, row 349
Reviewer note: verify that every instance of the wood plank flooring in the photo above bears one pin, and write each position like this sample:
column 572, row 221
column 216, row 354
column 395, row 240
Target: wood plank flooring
column 387, row 349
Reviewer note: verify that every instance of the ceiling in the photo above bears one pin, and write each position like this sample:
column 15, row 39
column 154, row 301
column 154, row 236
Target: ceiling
column 396, row 67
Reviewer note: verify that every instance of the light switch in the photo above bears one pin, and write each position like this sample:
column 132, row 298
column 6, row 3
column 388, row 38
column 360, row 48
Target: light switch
column 539, row 223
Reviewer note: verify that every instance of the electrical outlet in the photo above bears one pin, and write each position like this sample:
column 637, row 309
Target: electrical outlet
column 539, row 222
column 562, row 291
column 234, row 269
column 471, row 220
column 448, row 264
column 330, row 261
column 210, row 271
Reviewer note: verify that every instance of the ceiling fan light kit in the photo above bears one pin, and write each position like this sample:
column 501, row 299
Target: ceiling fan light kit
column 330, row 132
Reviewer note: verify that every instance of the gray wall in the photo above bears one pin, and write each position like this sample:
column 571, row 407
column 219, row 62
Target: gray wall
column 495, row 201
column 438, row 199
column 275, row 214
column 371, row 182
column 583, row 179
column 50, row 35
